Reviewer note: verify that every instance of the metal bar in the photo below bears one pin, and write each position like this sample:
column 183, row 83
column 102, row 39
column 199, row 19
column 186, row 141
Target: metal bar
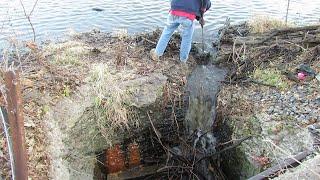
column 290, row 162
column 6, row 131
column 15, row 116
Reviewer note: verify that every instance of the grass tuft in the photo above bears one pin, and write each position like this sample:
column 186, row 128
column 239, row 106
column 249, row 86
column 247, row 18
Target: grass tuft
column 272, row 77
column 111, row 109
column 261, row 24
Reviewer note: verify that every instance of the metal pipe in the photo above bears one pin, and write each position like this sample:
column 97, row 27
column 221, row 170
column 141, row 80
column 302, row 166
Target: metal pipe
column 287, row 12
column 6, row 132
column 15, row 116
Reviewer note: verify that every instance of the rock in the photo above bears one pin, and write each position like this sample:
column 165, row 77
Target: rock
column 317, row 76
column 271, row 110
column 293, row 140
column 97, row 9
column 307, row 109
column 292, row 99
column 302, row 117
column 148, row 89
column 294, row 108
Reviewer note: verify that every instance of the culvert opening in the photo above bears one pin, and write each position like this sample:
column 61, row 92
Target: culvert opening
column 131, row 159
column 191, row 142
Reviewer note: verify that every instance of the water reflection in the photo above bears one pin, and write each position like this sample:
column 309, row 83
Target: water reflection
column 54, row 18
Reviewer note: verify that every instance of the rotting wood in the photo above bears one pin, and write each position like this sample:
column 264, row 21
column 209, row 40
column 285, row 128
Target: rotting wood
column 15, row 116
column 290, row 162
column 135, row 173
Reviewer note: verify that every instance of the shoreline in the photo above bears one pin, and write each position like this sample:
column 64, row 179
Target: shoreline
column 60, row 74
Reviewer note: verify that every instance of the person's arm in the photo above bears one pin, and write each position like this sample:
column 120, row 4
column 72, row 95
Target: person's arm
column 208, row 5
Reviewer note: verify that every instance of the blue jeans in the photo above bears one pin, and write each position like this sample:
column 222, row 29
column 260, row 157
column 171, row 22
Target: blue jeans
column 173, row 23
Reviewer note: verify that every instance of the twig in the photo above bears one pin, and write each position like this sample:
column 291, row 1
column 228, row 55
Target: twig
column 170, row 167
column 225, row 149
column 180, row 158
column 228, row 142
column 28, row 17
column 34, row 6
column 156, row 132
column 295, row 44
column 148, row 40
column 258, row 83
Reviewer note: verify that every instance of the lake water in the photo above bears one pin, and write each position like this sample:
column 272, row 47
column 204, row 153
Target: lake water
column 53, row 19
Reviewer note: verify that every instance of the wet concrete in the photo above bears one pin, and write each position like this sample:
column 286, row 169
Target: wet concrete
column 203, row 87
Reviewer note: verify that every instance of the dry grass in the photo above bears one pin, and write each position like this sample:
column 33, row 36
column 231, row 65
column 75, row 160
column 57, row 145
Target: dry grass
column 67, row 54
column 111, row 104
column 261, row 24
column 56, row 71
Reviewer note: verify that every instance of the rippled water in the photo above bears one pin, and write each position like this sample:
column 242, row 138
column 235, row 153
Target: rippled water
column 53, row 19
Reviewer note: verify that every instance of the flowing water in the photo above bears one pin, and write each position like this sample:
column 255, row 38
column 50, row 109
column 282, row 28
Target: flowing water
column 52, row 19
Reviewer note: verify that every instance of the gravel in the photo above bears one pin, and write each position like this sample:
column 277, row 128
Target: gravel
column 299, row 103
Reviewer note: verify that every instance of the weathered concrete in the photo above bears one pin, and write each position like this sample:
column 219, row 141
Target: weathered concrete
column 247, row 160
column 74, row 134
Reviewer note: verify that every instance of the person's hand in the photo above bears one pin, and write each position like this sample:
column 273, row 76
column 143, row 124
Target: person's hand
column 201, row 21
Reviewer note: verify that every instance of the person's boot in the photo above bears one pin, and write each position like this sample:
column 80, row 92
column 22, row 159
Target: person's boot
column 153, row 54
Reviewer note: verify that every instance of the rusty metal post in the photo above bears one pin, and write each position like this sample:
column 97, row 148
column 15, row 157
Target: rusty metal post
column 15, row 116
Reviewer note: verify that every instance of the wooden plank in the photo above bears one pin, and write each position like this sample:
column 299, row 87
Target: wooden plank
column 15, row 116
column 139, row 172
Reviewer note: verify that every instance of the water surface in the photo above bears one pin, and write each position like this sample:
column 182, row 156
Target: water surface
column 53, row 19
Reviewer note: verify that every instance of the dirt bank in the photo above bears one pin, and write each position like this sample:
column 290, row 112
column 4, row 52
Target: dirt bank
column 98, row 89
column 81, row 94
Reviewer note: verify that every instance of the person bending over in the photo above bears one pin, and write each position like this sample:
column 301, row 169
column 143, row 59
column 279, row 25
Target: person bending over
column 182, row 13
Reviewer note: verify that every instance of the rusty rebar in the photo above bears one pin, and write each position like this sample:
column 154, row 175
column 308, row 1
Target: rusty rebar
column 15, row 116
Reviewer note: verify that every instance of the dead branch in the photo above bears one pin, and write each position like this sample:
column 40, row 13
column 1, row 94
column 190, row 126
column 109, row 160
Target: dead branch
column 29, row 17
column 258, row 82
column 179, row 157
column 152, row 42
column 236, row 144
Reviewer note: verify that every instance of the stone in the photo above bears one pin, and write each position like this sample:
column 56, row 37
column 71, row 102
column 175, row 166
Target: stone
column 148, row 89
column 307, row 109
column 292, row 99
column 294, row 108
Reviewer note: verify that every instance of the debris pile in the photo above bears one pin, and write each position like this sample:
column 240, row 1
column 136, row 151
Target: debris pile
column 285, row 48
column 271, row 93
